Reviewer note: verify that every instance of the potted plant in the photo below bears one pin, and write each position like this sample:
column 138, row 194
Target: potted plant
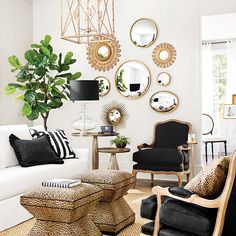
column 120, row 141
column 43, row 82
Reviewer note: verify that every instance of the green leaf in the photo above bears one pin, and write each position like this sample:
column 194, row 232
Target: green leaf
column 41, row 71
column 59, row 82
column 66, row 75
column 20, row 97
column 15, row 85
column 72, row 61
column 22, row 79
column 9, row 90
column 64, row 68
column 30, row 96
column 53, row 67
column 75, row 76
column 14, row 61
column 34, row 115
column 34, row 45
column 40, row 96
column 55, row 103
column 57, row 93
column 44, row 108
column 59, row 60
column 45, row 51
column 31, row 56
column 53, row 58
column 26, row 110
column 46, row 40
column 68, row 58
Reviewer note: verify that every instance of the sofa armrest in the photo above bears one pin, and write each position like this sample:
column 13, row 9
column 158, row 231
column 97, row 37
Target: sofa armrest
column 144, row 145
column 180, row 192
column 81, row 153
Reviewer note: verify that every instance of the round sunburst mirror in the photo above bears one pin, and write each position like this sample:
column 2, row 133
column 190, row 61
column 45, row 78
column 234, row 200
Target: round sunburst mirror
column 164, row 55
column 115, row 114
column 104, row 55
column 104, row 85
column 143, row 32
column 164, row 79
column 132, row 79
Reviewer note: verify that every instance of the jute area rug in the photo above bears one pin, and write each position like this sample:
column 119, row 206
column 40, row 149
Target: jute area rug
column 134, row 198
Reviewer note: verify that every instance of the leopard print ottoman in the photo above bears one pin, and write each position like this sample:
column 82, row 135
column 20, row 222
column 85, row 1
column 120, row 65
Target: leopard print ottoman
column 63, row 211
column 112, row 213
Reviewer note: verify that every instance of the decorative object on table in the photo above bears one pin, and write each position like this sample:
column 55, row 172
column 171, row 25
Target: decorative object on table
column 133, row 79
column 43, row 81
column 164, row 79
column 103, row 55
column 63, row 211
column 164, row 55
column 191, row 138
column 87, row 21
column 164, row 101
column 234, row 99
column 84, row 91
column 61, row 183
column 95, row 135
column 165, row 154
column 34, row 152
column 104, row 85
column 229, row 111
column 143, row 32
column 107, row 129
column 112, row 213
column 120, row 141
column 205, row 211
column 208, row 135
column 113, row 164
column 115, row 114
column 58, row 140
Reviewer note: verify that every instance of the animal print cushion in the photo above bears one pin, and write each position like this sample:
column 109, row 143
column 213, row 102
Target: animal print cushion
column 210, row 182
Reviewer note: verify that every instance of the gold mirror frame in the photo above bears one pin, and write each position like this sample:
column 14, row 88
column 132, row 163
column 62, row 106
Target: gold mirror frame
column 109, row 85
column 154, row 38
column 171, row 55
column 111, row 107
column 148, row 83
column 158, row 79
column 108, row 54
column 107, row 63
column 163, row 110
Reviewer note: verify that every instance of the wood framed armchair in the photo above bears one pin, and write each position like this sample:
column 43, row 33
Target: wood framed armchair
column 179, row 212
column 168, row 153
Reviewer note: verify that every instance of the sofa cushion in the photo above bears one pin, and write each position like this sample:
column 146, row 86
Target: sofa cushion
column 34, row 152
column 188, row 217
column 141, row 166
column 17, row 180
column 8, row 157
column 158, row 156
column 149, row 207
column 210, row 182
column 58, row 140
column 173, row 232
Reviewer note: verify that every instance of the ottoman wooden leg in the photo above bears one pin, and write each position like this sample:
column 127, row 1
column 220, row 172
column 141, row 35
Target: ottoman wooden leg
column 113, row 164
column 84, row 226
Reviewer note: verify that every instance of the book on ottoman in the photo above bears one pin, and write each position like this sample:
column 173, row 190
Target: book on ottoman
column 61, row 183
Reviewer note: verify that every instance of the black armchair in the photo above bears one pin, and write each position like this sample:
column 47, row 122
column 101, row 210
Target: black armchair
column 179, row 212
column 168, row 153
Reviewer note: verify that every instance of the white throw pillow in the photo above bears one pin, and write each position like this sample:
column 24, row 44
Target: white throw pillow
column 8, row 157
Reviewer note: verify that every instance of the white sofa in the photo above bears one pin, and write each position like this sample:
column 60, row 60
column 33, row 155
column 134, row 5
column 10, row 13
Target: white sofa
column 16, row 180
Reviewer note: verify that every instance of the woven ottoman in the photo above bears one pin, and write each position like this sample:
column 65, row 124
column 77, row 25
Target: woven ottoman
column 63, row 211
column 112, row 213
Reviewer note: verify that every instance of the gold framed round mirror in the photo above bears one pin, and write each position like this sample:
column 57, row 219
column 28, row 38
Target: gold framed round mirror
column 163, row 79
column 143, row 32
column 104, row 85
column 164, row 101
column 103, row 52
column 164, row 55
column 114, row 116
column 133, row 79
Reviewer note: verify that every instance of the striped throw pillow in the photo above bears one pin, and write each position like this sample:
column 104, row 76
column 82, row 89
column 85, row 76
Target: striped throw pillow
column 58, row 140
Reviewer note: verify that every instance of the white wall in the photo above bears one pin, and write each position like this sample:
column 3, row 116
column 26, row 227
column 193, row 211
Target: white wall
column 179, row 24
column 16, row 33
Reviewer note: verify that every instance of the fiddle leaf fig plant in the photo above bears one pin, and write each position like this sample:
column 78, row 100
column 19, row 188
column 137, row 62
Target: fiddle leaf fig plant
column 43, row 82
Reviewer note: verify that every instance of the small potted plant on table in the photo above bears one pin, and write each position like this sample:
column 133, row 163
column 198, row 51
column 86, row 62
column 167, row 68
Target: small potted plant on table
column 120, row 141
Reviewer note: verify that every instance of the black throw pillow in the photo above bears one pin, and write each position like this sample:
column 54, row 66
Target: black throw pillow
column 34, row 152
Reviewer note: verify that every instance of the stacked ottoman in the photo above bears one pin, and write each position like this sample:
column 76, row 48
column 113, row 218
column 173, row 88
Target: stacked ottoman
column 112, row 213
column 63, row 211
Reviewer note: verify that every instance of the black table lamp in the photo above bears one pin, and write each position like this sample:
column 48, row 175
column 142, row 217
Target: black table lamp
column 85, row 91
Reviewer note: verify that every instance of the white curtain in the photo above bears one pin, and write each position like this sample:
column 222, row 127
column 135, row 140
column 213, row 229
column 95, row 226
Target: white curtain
column 207, row 79
column 231, row 71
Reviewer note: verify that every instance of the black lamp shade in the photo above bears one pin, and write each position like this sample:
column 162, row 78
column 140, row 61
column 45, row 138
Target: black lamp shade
column 84, row 90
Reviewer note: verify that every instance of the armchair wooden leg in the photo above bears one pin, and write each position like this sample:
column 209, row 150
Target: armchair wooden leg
column 152, row 180
column 134, row 173
column 180, row 179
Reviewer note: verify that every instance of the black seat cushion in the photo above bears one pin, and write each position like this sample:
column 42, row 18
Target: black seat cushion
column 148, row 228
column 188, row 217
column 158, row 156
column 173, row 232
column 176, row 168
column 149, row 207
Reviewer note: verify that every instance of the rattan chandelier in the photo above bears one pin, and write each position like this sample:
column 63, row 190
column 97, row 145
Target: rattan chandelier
column 83, row 21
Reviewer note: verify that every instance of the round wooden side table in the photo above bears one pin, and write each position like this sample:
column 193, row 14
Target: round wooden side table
column 113, row 164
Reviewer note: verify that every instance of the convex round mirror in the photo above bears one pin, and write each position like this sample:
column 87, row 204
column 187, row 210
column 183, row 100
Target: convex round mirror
column 143, row 32
column 132, row 79
column 114, row 116
column 103, row 52
column 164, row 79
column 164, row 101
column 104, row 85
